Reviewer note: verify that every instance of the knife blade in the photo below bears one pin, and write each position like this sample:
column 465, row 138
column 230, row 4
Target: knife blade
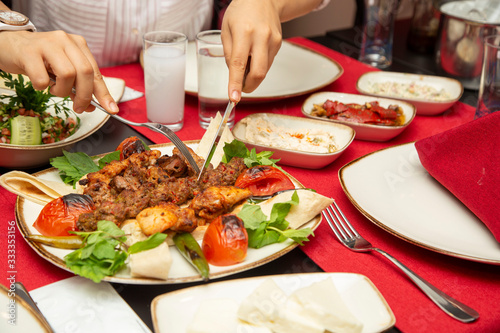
column 216, row 139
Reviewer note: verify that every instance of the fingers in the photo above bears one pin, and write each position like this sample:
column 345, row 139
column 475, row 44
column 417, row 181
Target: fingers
column 99, row 88
column 67, row 57
column 236, row 59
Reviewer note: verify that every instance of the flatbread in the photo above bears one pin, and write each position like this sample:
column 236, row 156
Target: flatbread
column 310, row 205
column 32, row 188
column 204, row 146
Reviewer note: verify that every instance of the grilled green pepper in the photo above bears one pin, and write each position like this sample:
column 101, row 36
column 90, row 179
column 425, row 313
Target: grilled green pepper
column 61, row 242
column 191, row 250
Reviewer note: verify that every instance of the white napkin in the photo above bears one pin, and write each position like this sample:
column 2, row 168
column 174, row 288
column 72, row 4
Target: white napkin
column 77, row 304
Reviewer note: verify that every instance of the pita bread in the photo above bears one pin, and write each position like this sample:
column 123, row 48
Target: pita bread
column 310, row 205
column 204, row 146
column 33, row 188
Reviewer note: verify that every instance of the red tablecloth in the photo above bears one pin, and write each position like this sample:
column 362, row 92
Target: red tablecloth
column 475, row 284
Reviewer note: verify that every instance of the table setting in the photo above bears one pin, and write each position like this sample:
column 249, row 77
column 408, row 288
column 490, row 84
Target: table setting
column 391, row 188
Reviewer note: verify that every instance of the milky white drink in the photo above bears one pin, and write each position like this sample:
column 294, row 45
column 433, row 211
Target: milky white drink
column 164, row 75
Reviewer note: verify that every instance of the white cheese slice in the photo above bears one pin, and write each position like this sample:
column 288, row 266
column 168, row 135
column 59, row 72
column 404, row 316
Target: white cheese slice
column 262, row 306
column 154, row 263
column 219, row 315
column 322, row 303
column 294, row 322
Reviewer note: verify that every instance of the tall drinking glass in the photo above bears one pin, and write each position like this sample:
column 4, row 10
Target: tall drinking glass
column 213, row 77
column 489, row 87
column 164, row 76
column 378, row 32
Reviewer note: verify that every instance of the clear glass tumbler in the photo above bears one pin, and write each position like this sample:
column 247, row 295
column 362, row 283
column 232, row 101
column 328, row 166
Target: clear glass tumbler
column 378, row 32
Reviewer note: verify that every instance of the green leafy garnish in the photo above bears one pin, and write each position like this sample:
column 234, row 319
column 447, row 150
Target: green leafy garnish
column 73, row 166
column 263, row 231
column 104, row 252
column 27, row 101
column 250, row 157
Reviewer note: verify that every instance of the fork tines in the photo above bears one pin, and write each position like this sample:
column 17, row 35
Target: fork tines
column 339, row 222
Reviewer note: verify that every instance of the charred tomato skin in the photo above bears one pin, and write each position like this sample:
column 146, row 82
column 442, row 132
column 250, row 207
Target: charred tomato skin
column 264, row 180
column 60, row 215
column 129, row 146
column 225, row 241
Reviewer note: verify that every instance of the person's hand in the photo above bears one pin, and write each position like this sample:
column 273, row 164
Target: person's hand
column 68, row 57
column 250, row 30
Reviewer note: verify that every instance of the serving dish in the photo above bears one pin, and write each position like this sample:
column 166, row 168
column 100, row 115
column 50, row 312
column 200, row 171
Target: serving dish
column 394, row 191
column 181, row 271
column 425, row 107
column 343, row 136
column 367, row 132
column 311, row 71
column 24, row 157
column 172, row 312
column 25, row 318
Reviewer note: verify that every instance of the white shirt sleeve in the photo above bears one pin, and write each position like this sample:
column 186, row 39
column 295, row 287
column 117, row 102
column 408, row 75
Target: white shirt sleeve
column 322, row 5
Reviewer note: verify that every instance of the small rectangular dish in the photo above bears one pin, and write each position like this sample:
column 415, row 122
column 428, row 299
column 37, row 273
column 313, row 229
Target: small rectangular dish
column 296, row 141
column 368, row 132
column 431, row 95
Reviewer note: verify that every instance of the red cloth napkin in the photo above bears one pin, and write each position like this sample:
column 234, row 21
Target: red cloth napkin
column 476, row 284
column 466, row 160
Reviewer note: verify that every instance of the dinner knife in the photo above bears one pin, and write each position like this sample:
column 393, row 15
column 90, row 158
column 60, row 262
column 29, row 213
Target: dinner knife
column 216, row 139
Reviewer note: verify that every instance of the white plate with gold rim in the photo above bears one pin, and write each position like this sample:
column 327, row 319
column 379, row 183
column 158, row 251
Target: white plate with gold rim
column 172, row 312
column 181, row 271
column 393, row 190
column 296, row 70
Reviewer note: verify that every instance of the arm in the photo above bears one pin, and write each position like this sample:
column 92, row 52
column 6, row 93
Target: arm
column 67, row 56
column 252, row 29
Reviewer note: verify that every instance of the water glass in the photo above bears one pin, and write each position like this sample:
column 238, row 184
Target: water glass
column 378, row 32
column 489, row 87
column 164, row 76
column 213, row 77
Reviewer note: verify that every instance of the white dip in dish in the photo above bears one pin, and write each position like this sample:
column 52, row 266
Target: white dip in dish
column 260, row 130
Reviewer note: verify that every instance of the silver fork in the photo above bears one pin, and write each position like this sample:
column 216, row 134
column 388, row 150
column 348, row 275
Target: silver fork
column 160, row 128
column 348, row 236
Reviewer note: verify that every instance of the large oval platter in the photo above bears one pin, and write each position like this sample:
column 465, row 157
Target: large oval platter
column 181, row 271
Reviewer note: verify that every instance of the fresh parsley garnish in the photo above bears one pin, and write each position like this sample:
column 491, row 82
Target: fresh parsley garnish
column 73, row 166
column 263, row 231
column 250, row 157
column 105, row 252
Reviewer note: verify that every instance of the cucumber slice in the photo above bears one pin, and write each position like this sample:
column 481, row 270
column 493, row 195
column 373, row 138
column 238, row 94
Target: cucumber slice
column 25, row 131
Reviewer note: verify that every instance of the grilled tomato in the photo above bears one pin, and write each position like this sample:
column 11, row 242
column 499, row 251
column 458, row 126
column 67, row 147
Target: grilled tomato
column 129, row 146
column 264, row 180
column 225, row 241
column 60, row 215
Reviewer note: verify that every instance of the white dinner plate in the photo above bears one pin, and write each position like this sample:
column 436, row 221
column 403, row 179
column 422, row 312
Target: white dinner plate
column 394, row 191
column 22, row 157
column 343, row 136
column 368, row 132
column 425, row 107
column 181, row 271
column 296, row 70
column 172, row 312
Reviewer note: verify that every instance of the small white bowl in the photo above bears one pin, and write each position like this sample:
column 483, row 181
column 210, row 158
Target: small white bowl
column 425, row 107
column 25, row 157
column 343, row 136
column 368, row 132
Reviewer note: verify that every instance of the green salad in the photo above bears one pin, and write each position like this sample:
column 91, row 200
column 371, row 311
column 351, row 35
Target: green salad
column 24, row 116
